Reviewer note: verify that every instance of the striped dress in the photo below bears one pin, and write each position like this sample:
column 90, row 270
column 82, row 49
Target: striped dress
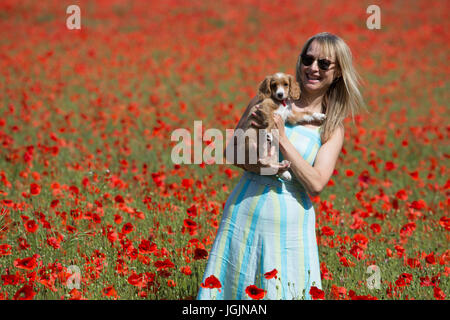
column 267, row 224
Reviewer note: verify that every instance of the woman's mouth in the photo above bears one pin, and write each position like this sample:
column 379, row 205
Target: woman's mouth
column 313, row 79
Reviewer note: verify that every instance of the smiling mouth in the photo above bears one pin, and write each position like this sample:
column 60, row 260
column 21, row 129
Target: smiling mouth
column 313, row 78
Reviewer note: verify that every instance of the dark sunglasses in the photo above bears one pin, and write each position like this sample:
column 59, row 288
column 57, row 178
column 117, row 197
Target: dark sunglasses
column 323, row 64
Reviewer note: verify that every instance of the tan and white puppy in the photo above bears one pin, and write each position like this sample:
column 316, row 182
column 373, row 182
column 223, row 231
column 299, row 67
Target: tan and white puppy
column 275, row 93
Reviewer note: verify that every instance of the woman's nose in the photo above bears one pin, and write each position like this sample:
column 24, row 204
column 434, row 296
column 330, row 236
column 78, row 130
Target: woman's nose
column 315, row 66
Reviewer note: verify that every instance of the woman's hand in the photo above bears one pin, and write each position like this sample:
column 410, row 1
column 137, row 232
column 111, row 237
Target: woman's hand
column 279, row 124
column 258, row 121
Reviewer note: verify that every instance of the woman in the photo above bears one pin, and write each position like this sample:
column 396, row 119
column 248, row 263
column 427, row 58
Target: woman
column 269, row 224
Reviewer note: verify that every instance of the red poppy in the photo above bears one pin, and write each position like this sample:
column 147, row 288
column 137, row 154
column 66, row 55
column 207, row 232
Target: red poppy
column 192, row 211
column 35, row 189
column 211, row 282
column 401, row 194
column 109, row 292
column 5, row 250
column 117, row 218
column 418, row 204
column 327, row 231
column 255, row 293
column 127, row 228
column 75, row 294
column 200, row 254
column 164, row 264
column 324, row 273
column 25, row 293
column 119, row 199
column 338, row 292
column 316, row 293
column 346, row 262
column 445, row 223
column 376, row 228
column 190, row 224
column 10, row 279
column 26, row 263
column 145, row 247
column 137, row 280
column 430, row 259
column 389, row 166
column 438, row 293
column 271, row 274
column 186, row 270
column 408, row 229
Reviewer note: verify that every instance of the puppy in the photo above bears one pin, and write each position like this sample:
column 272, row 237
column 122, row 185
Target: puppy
column 275, row 93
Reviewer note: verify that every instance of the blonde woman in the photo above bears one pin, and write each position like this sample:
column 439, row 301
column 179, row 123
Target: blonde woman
column 268, row 225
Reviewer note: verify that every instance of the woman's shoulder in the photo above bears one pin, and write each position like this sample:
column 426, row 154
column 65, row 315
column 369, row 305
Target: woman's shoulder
column 336, row 136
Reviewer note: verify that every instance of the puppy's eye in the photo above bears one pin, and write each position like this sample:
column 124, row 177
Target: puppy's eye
column 285, row 84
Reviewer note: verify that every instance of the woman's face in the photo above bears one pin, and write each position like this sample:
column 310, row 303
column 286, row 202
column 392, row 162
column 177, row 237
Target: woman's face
column 314, row 79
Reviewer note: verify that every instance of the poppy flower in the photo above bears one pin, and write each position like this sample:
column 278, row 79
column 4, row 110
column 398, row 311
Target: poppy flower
column 75, row 294
column 376, row 228
column 389, row 166
column 164, row 264
column 25, row 293
column 438, row 293
column 324, row 273
column 5, row 250
column 255, row 293
column 346, row 262
column 271, row 274
column 186, row 270
column 430, row 259
column 145, row 247
column 338, row 292
column 35, row 189
column 190, row 224
column 327, row 231
column 192, row 211
column 408, row 229
column 119, row 199
column 127, row 228
column 137, row 280
column 211, row 282
column 316, row 293
column 200, row 254
column 109, row 292
column 402, row 195
column 26, row 263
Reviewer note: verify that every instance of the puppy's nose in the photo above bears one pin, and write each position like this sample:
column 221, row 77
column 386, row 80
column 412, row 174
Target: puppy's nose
column 280, row 94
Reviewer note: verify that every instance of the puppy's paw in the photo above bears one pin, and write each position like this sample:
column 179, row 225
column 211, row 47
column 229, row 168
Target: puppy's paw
column 307, row 118
column 286, row 176
column 285, row 163
column 319, row 116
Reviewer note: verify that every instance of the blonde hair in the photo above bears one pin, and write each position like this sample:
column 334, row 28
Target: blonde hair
column 343, row 96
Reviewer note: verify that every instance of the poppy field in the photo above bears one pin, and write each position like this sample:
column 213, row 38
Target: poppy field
column 91, row 204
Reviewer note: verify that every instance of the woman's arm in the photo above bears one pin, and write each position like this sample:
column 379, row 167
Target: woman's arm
column 314, row 178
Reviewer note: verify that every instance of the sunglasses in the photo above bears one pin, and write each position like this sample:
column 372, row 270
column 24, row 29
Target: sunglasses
column 323, row 64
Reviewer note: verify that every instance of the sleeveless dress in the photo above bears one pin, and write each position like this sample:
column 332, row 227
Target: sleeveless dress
column 267, row 224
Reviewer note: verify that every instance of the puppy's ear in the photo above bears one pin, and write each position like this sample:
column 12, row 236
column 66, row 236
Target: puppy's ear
column 264, row 91
column 294, row 88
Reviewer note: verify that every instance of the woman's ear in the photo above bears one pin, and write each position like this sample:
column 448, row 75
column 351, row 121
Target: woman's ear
column 264, row 89
column 294, row 88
